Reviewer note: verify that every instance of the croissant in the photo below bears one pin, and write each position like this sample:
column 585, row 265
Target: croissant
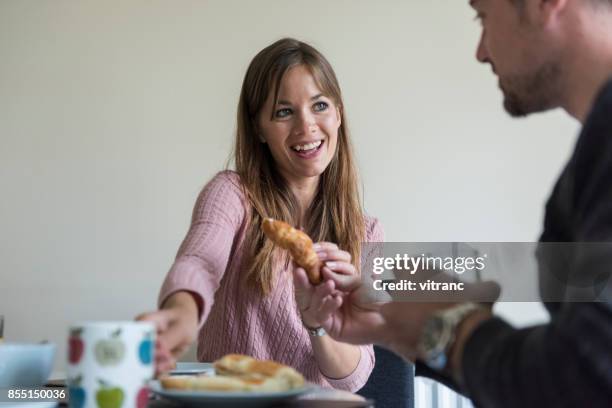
column 241, row 373
column 299, row 245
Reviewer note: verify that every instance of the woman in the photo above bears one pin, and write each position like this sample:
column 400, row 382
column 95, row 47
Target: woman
column 229, row 285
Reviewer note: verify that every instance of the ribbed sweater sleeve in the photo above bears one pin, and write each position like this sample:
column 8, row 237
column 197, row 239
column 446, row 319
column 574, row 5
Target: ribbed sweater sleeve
column 204, row 254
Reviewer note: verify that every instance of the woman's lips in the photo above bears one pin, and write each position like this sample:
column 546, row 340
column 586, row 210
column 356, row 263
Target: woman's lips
column 309, row 154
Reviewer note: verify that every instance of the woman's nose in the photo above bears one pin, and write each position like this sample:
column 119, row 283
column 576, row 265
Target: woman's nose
column 306, row 124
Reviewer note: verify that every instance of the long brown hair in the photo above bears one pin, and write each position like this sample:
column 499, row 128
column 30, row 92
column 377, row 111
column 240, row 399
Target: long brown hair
column 336, row 214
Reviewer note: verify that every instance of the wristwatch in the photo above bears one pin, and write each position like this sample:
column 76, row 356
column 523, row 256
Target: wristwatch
column 315, row 332
column 439, row 334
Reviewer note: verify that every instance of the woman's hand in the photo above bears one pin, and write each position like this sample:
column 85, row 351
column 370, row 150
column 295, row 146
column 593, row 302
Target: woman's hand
column 177, row 329
column 317, row 303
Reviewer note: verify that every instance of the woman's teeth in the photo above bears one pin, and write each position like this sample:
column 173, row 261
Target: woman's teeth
column 308, row 146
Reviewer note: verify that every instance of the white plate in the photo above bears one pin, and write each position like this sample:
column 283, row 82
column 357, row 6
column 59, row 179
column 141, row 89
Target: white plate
column 250, row 399
column 193, row 368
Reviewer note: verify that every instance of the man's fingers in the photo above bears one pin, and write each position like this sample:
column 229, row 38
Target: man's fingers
column 483, row 292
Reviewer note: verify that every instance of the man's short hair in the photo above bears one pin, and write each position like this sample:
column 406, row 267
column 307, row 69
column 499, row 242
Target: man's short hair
column 521, row 3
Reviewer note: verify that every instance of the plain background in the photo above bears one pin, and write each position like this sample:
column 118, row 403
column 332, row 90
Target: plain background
column 114, row 114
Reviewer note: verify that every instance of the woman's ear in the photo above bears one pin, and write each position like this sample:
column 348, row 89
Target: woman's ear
column 339, row 114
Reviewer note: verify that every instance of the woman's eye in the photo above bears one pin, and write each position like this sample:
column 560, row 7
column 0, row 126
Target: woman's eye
column 281, row 113
column 320, row 106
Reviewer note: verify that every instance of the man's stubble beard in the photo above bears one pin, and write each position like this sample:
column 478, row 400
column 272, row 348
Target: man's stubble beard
column 536, row 91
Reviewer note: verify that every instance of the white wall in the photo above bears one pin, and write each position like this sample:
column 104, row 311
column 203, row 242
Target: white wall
column 113, row 114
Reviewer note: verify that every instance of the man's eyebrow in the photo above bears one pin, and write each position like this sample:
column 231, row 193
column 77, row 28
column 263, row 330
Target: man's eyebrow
column 283, row 102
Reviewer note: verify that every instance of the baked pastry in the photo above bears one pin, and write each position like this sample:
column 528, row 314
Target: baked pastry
column 248, row 368
column 203, row 382
column 299, row 245
column 236, row 372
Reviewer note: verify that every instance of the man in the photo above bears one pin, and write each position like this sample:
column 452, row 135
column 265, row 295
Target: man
column 546, row 54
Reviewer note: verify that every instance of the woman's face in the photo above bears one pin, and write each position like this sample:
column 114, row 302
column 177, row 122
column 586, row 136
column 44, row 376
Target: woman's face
column 301, row 130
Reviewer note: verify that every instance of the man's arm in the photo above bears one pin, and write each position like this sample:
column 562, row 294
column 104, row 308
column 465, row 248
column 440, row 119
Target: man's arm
column 567, row 362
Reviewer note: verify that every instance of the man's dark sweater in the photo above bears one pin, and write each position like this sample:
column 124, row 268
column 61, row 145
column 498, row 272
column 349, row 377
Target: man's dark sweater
column 567, row 362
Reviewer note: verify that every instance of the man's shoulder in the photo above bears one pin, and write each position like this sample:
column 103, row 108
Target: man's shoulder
column 600, row 116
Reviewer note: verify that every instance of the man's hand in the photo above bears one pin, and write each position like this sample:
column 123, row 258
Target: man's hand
column 396, row 325
column 356, row 320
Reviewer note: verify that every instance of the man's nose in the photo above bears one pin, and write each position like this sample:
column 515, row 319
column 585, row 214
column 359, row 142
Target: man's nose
column 482, row 54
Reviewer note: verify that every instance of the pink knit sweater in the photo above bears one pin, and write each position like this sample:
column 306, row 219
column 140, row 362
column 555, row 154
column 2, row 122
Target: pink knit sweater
column 235, row 317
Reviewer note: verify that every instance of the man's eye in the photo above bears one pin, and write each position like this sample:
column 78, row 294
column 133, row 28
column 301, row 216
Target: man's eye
column 320, row 106
column 281, row 113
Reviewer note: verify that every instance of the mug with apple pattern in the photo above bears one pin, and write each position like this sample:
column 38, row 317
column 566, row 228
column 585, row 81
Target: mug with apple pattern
column 110, row 364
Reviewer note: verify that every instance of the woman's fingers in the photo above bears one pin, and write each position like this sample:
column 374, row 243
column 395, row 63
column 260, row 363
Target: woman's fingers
column 300, row 279
column 324, row 246
column 312, row 313
column 342, row 282
column 164, row 360
column 302, row 288
column 174, row 335
column 162, row 319
column 343, row 268
column 329, row 305
column 334, row 255
column 176, row 338
column 319, row 293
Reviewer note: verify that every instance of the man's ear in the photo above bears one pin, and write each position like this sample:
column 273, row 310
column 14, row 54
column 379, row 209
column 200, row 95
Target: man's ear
column 542, row 12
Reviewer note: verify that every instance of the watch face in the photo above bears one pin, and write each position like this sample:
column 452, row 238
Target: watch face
column 433, row 344
column 432, row 334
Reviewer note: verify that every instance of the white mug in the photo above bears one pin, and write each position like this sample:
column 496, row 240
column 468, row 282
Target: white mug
column 110, row 364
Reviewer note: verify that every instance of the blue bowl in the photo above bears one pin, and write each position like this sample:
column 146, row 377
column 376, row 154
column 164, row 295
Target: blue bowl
column 25, row 364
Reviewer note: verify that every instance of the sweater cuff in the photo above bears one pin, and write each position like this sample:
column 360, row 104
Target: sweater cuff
column 357, row 379
column 476, row 349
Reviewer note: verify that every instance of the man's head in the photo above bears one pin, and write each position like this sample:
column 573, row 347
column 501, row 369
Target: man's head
column 528, row 44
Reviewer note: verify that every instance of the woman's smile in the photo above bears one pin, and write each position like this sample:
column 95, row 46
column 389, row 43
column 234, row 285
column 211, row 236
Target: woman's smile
column 308, row 150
